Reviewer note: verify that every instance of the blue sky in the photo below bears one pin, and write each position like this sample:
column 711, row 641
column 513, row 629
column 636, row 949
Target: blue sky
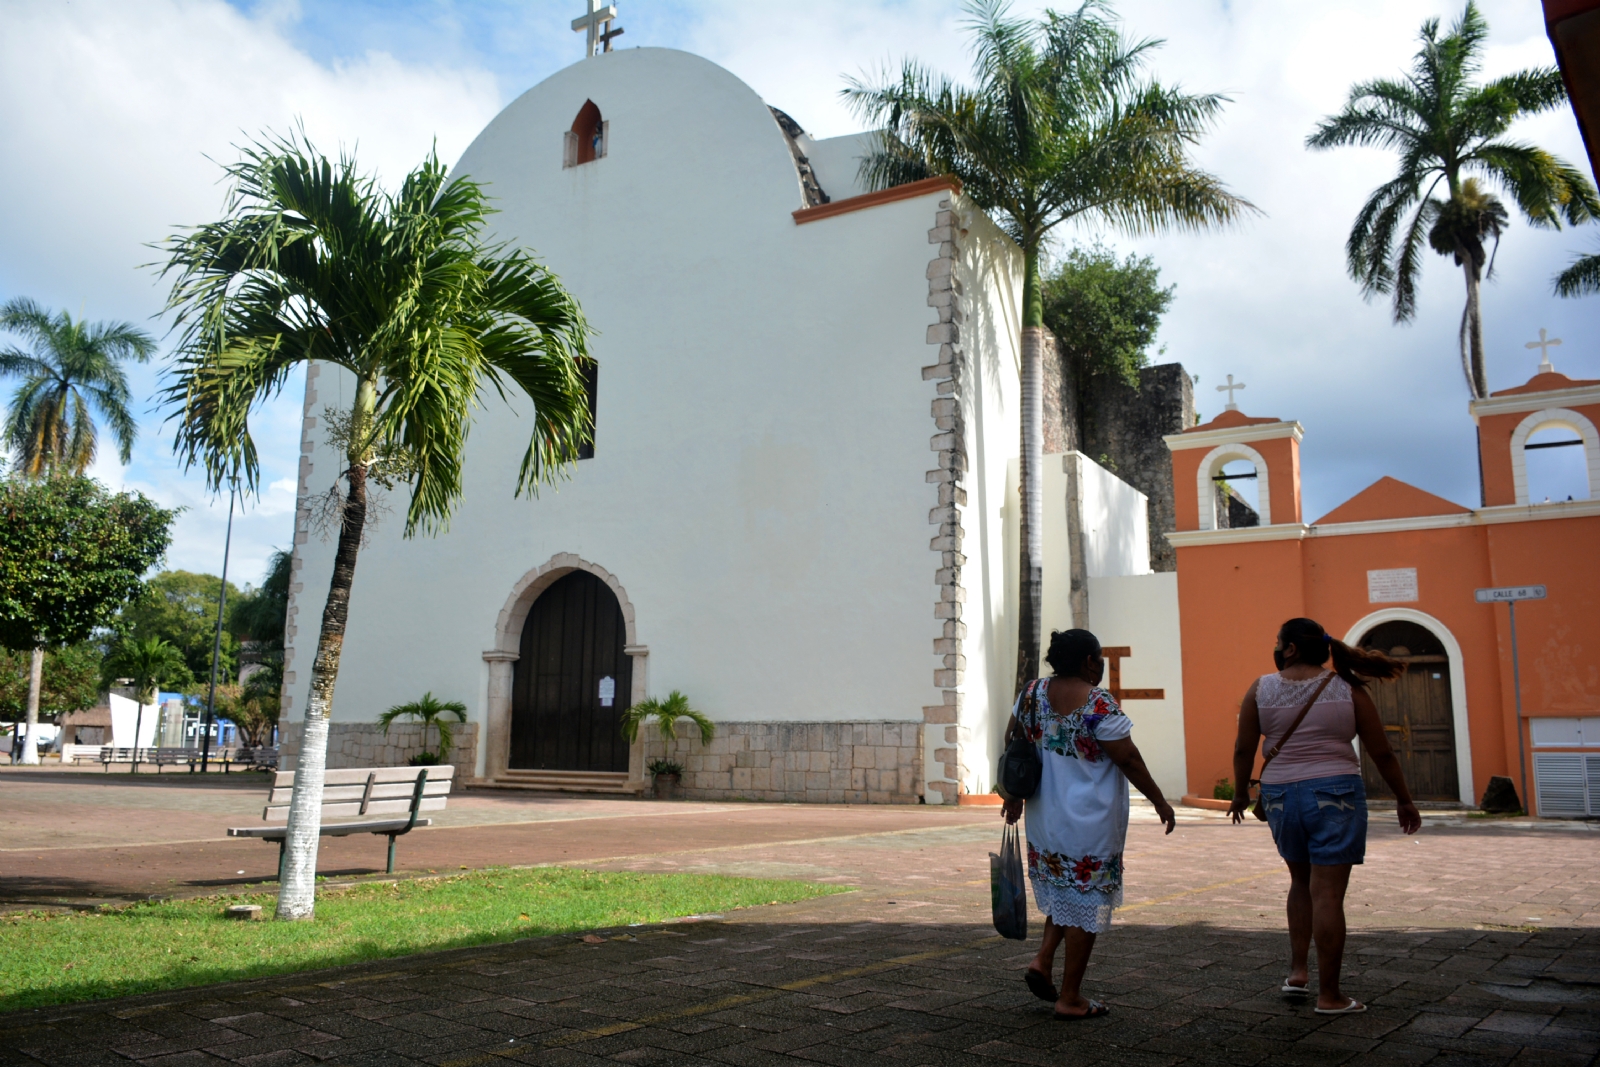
column 110, row 109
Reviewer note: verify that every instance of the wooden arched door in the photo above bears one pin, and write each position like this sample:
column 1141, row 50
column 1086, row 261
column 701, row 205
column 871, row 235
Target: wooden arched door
column 1416, row 713
column 572, row 681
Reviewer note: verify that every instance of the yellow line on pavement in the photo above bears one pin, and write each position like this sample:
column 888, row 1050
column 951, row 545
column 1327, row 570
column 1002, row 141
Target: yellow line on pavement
column 707, row 1007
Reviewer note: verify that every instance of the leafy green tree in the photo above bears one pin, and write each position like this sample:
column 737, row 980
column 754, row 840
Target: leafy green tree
column 180, row 607
column 261, row 614
column 1449, row 131
column 72, row 554
column 1060, row 127
column 70, row 682
column 1105, row 312
column 73, row 366
column 313, row 261
column 433, row 712
column 1581, row 278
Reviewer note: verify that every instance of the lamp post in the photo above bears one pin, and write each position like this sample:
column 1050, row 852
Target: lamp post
column 216, row 643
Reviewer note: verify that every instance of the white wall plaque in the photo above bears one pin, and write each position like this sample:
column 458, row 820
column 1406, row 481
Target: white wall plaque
column 608, row 691
column 1397, row 586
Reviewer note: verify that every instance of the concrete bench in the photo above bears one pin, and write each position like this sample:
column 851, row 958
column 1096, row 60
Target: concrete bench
column 361, row 792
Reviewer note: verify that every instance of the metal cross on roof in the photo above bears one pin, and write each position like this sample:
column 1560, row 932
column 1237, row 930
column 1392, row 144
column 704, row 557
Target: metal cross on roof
column 597, row 25
column 1544, row 344
column 1229, row 389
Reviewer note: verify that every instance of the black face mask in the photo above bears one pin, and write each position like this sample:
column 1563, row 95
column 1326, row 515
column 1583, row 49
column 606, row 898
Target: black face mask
column 1277, row 657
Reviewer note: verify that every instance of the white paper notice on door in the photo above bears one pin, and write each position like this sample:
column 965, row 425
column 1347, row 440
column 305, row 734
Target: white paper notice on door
column 1397, row 586
column 608, row 691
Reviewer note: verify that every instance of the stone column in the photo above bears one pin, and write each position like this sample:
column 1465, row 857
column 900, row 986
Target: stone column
column 639, row 653
column 497, row 731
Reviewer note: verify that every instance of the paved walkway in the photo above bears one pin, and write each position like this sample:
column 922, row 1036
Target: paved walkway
column 1475, row 942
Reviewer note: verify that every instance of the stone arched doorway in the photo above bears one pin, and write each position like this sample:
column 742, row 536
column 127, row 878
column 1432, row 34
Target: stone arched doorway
column 1417, row 712
column 572, row 680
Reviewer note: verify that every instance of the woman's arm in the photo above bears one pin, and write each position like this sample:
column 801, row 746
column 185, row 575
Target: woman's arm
column 1375, row 742
column 1125, row 754
column 1244, row 753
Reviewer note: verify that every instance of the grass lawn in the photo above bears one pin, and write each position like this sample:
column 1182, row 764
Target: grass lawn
column 48, row 958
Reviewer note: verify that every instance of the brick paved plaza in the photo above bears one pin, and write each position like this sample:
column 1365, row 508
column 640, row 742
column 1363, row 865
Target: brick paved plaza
column 1475, row 943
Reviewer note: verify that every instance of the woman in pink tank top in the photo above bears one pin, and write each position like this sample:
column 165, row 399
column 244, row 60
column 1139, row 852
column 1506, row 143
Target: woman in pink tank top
column 1311, row 787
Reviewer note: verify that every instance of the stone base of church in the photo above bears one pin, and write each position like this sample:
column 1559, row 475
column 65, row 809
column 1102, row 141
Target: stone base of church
column 366, row 744
column 816, row 763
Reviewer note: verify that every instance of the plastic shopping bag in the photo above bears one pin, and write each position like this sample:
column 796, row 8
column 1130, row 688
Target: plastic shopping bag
column 1008, row 889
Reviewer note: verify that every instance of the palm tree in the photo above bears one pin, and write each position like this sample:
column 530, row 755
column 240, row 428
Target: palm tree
column 74, row 366
column 1059, row 127
column 1581, row 278
column 666, row 713
column 430, row 712
column 313, row 262
column 1448, row 130
column 148, row 665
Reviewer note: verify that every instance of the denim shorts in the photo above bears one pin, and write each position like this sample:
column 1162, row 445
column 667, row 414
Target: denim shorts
column 1318, row 820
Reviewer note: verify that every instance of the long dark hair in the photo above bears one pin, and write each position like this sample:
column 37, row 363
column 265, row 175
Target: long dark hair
column 1315, row 646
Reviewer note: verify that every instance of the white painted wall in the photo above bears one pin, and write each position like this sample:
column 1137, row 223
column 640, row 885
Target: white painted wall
column 763, row 434
column 836, row 161
column 991, row 276
column 1141, row 611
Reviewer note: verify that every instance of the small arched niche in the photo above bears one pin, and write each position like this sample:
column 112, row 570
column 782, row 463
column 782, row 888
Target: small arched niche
column 586, row 141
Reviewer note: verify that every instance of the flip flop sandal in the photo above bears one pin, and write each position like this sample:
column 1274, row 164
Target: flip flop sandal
column 1041, row 986
column 1292, row 990
column 1355, row 1007
column 1096, row 1010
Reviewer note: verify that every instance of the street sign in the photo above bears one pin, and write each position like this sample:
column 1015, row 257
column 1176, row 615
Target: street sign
column 1510, row 593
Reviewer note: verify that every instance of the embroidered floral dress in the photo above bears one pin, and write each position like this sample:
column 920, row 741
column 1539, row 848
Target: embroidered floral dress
column 1078, row 820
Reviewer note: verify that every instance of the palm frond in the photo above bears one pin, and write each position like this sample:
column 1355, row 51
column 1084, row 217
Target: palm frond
column 1581, row 278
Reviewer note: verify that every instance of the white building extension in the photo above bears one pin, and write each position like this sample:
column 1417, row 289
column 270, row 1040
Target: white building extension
column 800, row 510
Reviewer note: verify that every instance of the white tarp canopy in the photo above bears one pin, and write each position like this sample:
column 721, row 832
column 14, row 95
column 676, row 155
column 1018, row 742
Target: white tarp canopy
column 125, row 715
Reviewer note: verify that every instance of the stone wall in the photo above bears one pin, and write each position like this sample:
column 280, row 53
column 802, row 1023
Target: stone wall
column 819, row 763
column 1122, row 427
column 365, row 744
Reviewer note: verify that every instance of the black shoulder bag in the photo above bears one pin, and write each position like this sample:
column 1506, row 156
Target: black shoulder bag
column 1020, row 765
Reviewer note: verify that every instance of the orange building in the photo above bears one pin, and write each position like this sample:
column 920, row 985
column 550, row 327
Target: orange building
column 1396, row 568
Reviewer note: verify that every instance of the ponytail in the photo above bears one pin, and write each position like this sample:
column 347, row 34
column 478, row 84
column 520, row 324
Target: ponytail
column 1357, row 666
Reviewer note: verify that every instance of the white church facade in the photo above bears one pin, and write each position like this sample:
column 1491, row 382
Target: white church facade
column 800, row 509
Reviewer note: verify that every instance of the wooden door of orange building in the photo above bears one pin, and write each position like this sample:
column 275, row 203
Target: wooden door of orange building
column 1417, row 714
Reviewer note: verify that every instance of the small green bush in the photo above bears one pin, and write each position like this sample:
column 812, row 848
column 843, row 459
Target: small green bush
column 1223, row 790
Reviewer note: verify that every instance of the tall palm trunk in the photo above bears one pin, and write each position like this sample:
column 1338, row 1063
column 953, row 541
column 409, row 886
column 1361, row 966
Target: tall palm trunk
column 30, row 750
column 1030, row 600
column 1472, row 334
column 297, row 890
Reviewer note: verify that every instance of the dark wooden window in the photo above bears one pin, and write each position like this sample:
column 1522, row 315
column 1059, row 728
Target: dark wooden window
column 591, row 385
column 572, row 681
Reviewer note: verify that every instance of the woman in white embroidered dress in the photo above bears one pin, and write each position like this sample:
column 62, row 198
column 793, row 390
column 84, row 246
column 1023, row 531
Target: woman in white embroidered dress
column 1312, row 790
column 1078, row 820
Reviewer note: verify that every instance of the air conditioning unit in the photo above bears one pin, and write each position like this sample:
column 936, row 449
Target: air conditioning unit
column 1567, row 784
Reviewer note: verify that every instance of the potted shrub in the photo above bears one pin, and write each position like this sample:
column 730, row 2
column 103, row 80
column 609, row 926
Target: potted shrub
column 665, row 774
column 430, row 712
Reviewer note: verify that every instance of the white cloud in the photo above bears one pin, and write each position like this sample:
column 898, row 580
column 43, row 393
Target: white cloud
column 109, row 112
